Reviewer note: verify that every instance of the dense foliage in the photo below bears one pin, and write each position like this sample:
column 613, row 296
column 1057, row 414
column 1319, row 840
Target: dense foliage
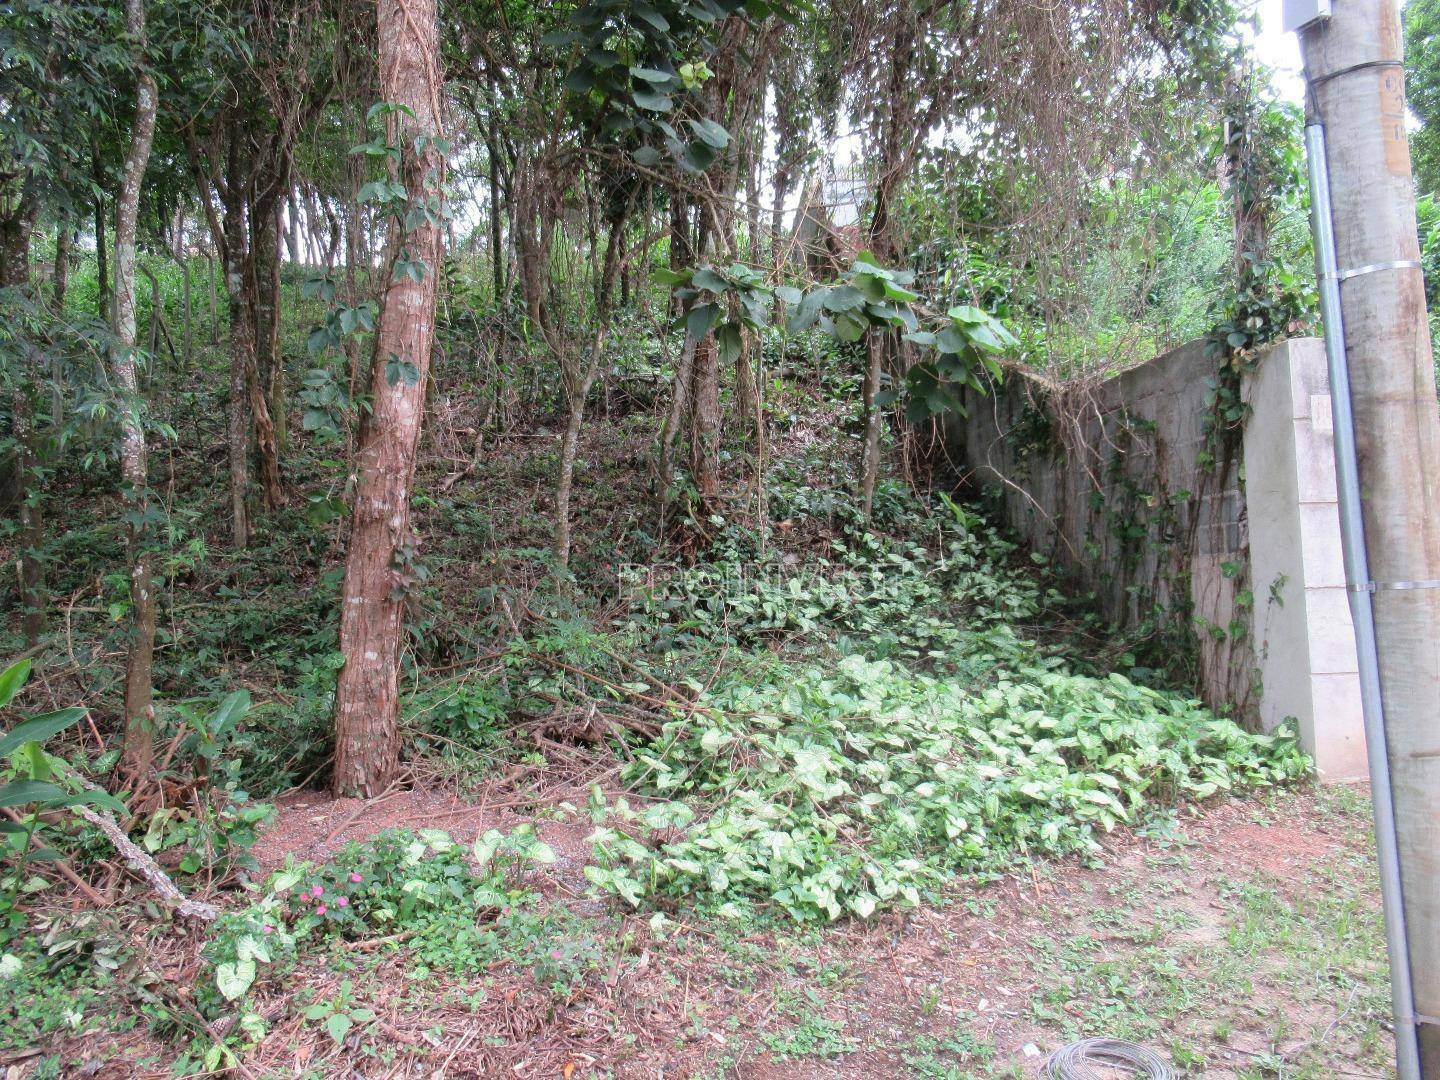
column 547, row 405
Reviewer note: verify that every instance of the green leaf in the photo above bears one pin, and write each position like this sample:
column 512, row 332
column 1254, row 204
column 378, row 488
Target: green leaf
column 697, row 156
column 967, row 314
column 397, row 370
column 710, row 133
column 808, row 311
column 652, row 101
column 651, row 16
column 844, row 298
column 234, row 979
column 730, row 342
column 338, row 1026
column 651, row 75
column 21, row 792
column 707, row 278
column 700, row 319
column 40, row 728
column 231, row 711
column 11, row 680
column 487, row 845
column 579, row 80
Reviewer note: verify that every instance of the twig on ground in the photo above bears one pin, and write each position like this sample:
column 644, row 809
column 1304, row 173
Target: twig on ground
column 146, row 868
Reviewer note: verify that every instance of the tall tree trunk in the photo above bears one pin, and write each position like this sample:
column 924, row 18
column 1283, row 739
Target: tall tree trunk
column 16, row 231
column 265, row 264
column 214, row 299
column 355, row 248
column 242, row 352
column 292, row 227
column 870, row 458
column 897, row 143
column 64, row 244
column 139, row 707
column 102, row 262
column 576, row 391
column 674, row 418
column 367, row 694
column 492, row 148
column 705, row 421
column 578, row 383
column 188, row 348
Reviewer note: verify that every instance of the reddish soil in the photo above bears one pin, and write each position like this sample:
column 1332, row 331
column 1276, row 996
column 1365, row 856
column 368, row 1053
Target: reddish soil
column 736, row 1001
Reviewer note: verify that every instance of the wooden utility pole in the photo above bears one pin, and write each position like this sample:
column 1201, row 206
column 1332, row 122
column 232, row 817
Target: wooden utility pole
column 1356, row 94
column 367, row 744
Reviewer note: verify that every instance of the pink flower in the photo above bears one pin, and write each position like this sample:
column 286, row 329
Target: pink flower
column 356, row 878
column 342, row 902
column 269, row 929
column 555, row 954
column 321, row 910
column 318, row 891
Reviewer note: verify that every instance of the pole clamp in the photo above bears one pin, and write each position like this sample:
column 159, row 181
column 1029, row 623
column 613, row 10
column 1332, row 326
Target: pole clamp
column 1373, row 268
column 1397, row 586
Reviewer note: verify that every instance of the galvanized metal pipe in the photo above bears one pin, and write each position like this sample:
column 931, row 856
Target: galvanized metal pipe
column 1357, row 580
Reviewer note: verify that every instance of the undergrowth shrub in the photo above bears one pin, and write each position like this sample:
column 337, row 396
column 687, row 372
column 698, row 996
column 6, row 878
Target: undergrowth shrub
column 843, row 789
column 896, row 596
column 457, row 908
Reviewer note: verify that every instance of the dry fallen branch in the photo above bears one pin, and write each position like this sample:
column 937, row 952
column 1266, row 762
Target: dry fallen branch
column 146, row 867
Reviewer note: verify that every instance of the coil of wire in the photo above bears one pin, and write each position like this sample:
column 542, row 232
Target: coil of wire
column 1095, row 1059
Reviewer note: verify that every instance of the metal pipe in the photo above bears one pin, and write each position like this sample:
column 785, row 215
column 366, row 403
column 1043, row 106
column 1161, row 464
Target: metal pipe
column 1357, row 577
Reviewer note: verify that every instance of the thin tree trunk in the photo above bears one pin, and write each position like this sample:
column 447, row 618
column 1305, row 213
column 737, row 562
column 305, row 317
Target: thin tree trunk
column 870, row 461
column 188, row 347
column 367, row 693
column 214, row 300
column 355, row 249
column 64, row 242
column 569, row 445
column 16, row 232
column 577, row 390
column 492, row 147
column 679, row 407
column 242, row 351
column 157, row 313
column 705, row 421
column 895, row 156
column 265, row 266
column 292, row 227
column 31, row 520
column 139, row 707
column 102, row 261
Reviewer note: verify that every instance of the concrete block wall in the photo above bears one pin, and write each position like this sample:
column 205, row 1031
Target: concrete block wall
column 1303, row 638
column 1108, row 482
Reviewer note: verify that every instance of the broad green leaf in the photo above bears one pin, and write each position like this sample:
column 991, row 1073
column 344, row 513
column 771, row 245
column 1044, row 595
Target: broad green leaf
column 700, row 319
column 710, row 133
column 39, row 728
column 23, row 792
column 234, row 979
column 730, row 342
column 652, row 101
column 11, row 680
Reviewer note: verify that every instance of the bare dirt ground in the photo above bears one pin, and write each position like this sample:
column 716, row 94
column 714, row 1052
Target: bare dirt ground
column 1241, row 940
